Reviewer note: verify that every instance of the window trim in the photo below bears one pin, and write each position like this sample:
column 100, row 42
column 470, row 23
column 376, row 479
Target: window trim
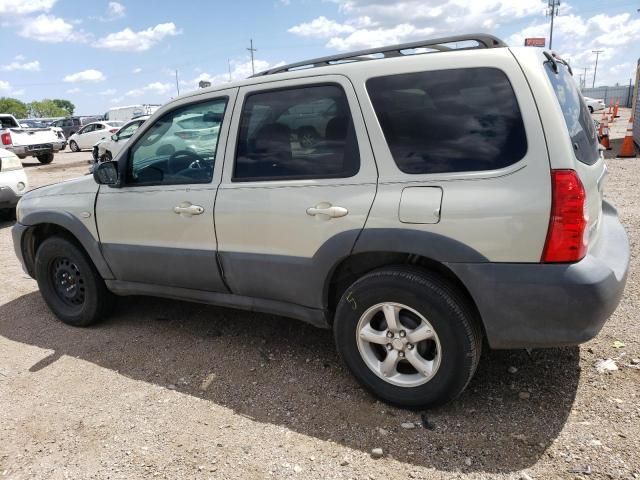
column 124, row 171
column 278, row 178
column 449, row 174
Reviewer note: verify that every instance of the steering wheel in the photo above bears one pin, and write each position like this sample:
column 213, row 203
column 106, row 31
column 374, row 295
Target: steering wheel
column 183, row 159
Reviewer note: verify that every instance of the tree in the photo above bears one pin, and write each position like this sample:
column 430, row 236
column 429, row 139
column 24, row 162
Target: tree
column 13, row 106
column 65, row 105
column 46, row 108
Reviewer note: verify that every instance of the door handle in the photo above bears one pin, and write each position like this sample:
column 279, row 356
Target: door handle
column 327, row 209
column 187, row 209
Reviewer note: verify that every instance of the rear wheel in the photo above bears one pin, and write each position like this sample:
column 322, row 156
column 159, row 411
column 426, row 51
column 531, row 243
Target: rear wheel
column 46, row 158
column 408, row 337
column 74, row 146
column 70, row 284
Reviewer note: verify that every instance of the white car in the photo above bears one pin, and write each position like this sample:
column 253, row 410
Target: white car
column 13, row 181
column 108, row 148
column 86, row 137
column 594, row 104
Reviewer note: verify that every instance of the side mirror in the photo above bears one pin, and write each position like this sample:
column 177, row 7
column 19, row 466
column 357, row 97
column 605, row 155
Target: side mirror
column 106, row 173
column 114, row 137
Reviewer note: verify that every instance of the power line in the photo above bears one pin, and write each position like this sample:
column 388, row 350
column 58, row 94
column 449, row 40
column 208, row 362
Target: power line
column 552, row 11
column 251, row 49
column 595, row 69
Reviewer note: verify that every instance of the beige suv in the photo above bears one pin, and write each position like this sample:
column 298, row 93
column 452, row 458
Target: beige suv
column 451, row 197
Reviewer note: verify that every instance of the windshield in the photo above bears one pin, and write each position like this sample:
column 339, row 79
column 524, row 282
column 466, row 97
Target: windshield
column 576, row 115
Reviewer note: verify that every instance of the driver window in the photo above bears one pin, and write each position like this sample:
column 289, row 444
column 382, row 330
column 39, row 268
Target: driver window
column 180, row 147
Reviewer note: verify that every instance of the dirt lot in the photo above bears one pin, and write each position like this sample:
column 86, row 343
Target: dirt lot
column 166, row 389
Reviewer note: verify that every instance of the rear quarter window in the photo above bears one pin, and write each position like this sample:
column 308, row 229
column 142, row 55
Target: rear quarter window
column 453, row 120
column 576, row 115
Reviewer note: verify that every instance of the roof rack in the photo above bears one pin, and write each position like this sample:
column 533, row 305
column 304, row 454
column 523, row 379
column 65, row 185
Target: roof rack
column 437, row 44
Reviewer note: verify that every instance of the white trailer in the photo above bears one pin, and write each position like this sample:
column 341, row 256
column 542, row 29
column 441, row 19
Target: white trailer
column 124, row 114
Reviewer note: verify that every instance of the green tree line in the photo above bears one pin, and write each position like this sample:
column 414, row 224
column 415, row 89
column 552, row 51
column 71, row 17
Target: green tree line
column 38, row 108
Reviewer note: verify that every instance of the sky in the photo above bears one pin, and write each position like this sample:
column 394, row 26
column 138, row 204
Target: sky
column 101, row 54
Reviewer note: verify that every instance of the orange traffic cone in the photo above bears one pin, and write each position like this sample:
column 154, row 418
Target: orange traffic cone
column 605, row 135
column 615, row 108
column 610, row 108
column 601, row 126
column 628, row 149
column 612, row 117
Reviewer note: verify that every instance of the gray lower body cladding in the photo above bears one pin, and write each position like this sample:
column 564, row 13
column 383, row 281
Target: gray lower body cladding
column 547, row 305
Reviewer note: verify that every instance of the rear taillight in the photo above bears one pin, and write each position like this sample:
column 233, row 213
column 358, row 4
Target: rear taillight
column 566, row 236
column 6, row 138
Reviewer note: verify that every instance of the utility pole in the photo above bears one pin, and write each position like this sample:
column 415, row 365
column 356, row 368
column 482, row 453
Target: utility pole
column 595, row 69
column 177, row 84
column 552, row 11
column 251, row 49
column 229, row 66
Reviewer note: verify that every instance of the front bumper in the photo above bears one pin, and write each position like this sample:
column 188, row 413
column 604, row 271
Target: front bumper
column 8, row 198
column 17, row 232
column 547, row 305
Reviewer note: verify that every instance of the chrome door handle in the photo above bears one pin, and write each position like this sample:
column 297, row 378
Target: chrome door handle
column 327, row 209
column 187, row 209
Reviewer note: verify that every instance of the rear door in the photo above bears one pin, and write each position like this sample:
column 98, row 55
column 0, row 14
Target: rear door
column 298, row 183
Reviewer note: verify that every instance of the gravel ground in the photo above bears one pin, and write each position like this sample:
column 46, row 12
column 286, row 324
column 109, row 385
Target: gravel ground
column 166, row 389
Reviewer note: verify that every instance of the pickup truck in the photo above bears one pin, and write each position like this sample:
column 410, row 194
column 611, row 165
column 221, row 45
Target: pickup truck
column 41, row 143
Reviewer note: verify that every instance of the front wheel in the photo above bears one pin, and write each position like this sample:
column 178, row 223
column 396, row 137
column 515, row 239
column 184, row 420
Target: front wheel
column 74, row 146
column 69, row 283
column 408, row 337
column 45, row 158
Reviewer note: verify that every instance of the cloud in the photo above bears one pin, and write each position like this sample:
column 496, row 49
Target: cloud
column 4, row 85
column 90, row 75
column 73, row 90
column 47, row 28
column 11, row 8
column 157, row 88
column 371, row 23
column 33, row 66
column 131, row 41
column 240, row 69
column 116, row 10
column 108, row 92
column 321, row 27
column 136, row 70
column 576, row 36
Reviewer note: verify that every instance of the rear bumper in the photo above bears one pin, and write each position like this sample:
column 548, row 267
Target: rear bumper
column 35, row 150
column 546, row 305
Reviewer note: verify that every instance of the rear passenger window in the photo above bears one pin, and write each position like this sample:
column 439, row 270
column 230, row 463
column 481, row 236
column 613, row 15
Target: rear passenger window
column 296, row 133
column 454, row 120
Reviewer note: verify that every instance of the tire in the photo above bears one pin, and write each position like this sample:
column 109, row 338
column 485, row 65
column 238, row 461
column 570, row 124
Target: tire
column 73, row 146
column 419, row 296
column 590, row 109
column 7, row 214
column 106, row 157
column 46, row 158
column 94, row 153
column 308, row 137
column 59, row 259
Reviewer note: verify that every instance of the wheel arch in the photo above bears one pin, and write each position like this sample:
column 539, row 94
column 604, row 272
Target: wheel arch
column 44, row 224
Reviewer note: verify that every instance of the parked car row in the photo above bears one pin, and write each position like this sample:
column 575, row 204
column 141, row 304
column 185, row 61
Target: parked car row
column 13, row 182
column 41, row 143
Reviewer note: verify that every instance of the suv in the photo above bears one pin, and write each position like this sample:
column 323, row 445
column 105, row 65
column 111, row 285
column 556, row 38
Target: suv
column 453, row 198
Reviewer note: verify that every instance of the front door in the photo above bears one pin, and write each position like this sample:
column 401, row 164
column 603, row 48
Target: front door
column 298, row 183
column 158, row 227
